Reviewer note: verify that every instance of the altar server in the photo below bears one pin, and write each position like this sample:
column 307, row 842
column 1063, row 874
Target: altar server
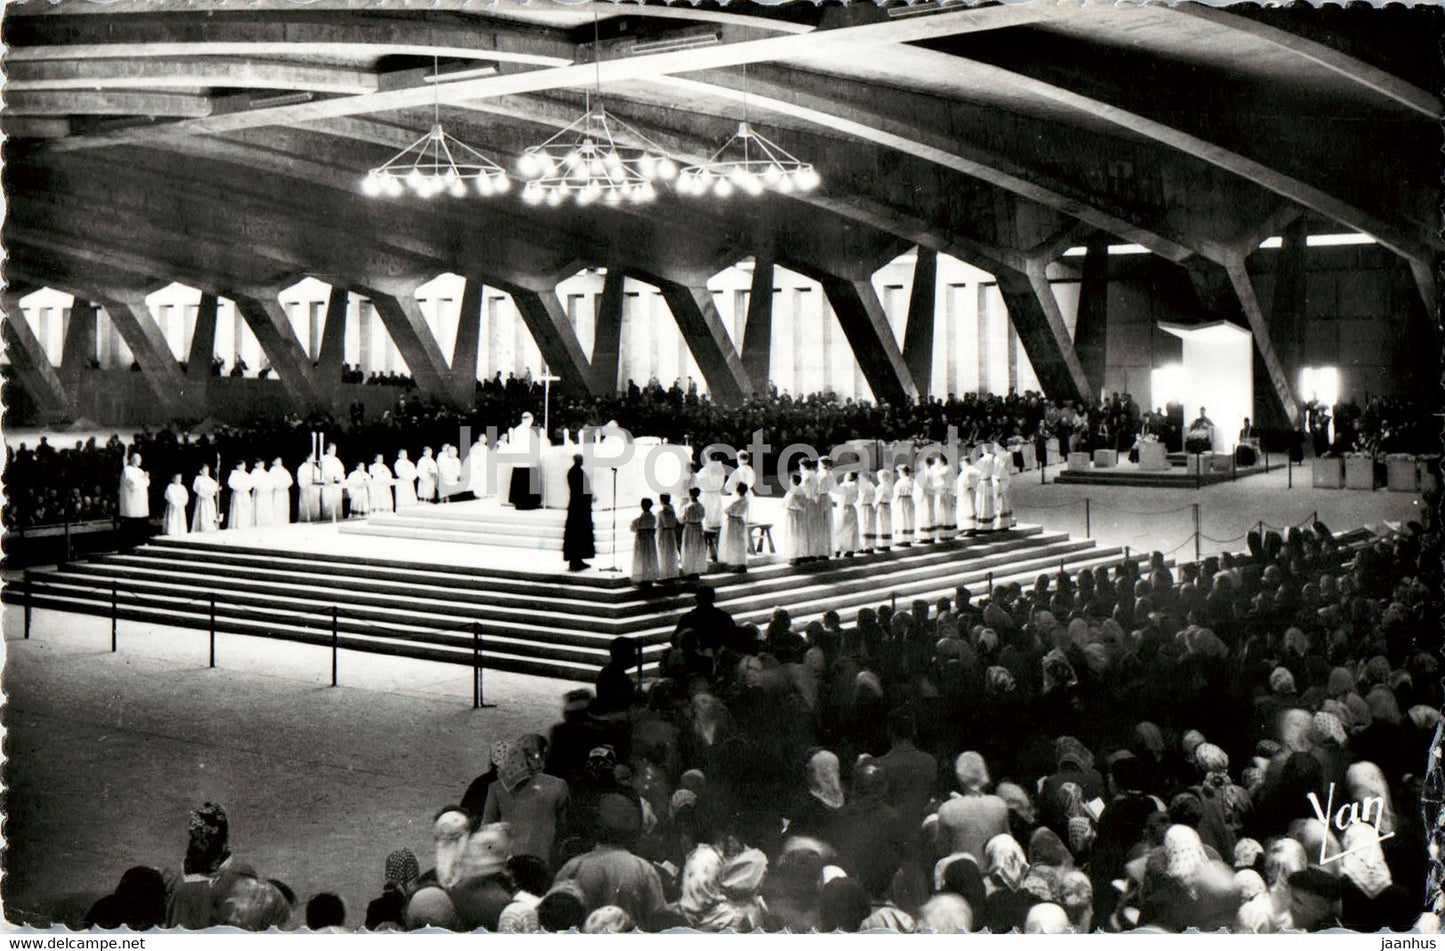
column 711, row 479
column 983, row 498
column 381, row 483
column 358, row 490
column 883, row 508
column 927, row 494
column 644, row 546
column 333, row 473
column 947, row 499
column 449, row 472
column 823, row 527
column 809, row 547
column 308, row 490
column 732, row 549
column 867, row 515
column 281, row 483
column 263, row 504
column 1002, row 475
column 669, row 539
column 205, row 517
column 847, row 529
column 176, row 499
column 743, row 474
column 966, row 490
column 405, row 472
column 694, row 543
column 903, row 499
column 426, row 476
column 796, row 505
column 241, row 514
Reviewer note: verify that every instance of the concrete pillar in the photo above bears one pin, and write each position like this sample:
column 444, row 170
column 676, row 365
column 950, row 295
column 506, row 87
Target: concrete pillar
column 331, row 355
column 468, row 341
column 546, row 320
column 401, row 315
column 1274, row 371
column 203, row 341
column 701, row 325
column 131, row 318
column 757, row 340
column 1288, row 314
column 1036, row 317
column 869, row 334
column 607, row 334
column 80, row 339
column 1091, row 330
column 268, row 320
column 919, row 331
column 32, row 368
column 984, row 381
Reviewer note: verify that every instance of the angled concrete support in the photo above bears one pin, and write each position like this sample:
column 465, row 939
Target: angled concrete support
column 131, row 317
column 556, row 339
column 203, row 341
column 1243, row 286
column 1040, row 326
column 1288, row 316
column 702, row 328
column 758, row 331
column 331, row 357
column 268, row 320
column 1429, row 289
column 400, row 313
column 32, row 366
column 80, row 339
column 864, row 323
column 918, row 334
column 1091, row 329
column 469, row 341
column 607, row 334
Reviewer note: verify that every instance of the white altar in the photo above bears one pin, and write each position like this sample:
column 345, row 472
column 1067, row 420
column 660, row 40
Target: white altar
column 645, row 467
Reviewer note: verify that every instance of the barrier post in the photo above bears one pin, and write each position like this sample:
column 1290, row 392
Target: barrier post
column 1290, row 468
column 476, row 665
column 1088, row 523
column 1234, row 466
column 1266, row 461
column 1196, row 531
column 27, row 587
column 114, row 612
column 67, row 540
column 639, row 667
column 990, row 585
column 335, row 642
column 213, row 629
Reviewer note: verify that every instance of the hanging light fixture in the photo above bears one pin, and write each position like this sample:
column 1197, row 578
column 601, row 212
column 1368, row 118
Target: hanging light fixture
column 435, row 163
column 748, row 164
column 584, row 161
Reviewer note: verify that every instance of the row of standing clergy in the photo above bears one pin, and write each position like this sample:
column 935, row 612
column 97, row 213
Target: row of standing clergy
column 261, row 497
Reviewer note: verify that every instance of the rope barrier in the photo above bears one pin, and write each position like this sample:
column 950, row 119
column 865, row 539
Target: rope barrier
column 1223, row 541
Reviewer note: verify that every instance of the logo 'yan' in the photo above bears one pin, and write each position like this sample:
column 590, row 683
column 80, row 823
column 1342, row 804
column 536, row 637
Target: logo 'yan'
column 1371, row 811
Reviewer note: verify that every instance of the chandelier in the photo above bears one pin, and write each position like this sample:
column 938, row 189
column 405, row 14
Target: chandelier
column 585, row 163
column 435, row 163
column 750, row 164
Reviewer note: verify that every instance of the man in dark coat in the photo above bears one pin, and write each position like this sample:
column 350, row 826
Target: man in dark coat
column 577, row 540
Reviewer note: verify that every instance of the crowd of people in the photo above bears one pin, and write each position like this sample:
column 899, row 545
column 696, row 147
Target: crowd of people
column 1238, row 743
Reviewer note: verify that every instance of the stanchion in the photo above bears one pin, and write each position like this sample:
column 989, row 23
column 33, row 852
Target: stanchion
column 1088, row 522
column 1266, row 461
column 335, row 642
column 476, row 665
column 28, row 592
column 1197, row 530
column 989, row 593
column 1234, row 466
column 1290, row 467
column 639, row 667
column 67, row 541
column 213, row 629
column 114, row 613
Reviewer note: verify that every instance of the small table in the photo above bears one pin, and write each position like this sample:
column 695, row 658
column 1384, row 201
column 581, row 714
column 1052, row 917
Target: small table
column 759, row 532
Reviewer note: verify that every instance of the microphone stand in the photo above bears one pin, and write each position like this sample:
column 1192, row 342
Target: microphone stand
column 614, row 523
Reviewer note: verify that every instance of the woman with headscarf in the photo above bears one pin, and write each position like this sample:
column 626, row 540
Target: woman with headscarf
column 389, row 910
column 970, row 819
column 1005, row 868
column 1184, row 888
column 193, row 895
column 1047, row 850
column 816, row 812
column 702, row 904
column 740, row 880
column 533, row 802
column 1256, row 913
column 1369, row 898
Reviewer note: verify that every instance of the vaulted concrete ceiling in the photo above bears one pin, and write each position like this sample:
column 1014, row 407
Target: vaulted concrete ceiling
column 223, row 145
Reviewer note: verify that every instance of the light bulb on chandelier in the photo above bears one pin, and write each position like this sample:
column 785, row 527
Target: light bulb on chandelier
column 750, row 164
column 437, row 162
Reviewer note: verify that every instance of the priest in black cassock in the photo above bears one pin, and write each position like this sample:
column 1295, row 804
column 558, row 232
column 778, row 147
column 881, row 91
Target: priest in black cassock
column 523, row 441
column 577, row 541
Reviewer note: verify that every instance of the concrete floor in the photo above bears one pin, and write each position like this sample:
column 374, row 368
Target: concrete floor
column 107, row 753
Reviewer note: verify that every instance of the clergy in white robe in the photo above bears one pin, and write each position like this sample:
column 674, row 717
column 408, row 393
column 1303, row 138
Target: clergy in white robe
column 812, row 547
column 176, row 499
column 381, row 483
column 449, row 473
column 966, row 490
column 333, row 473
column 846, row 532
column 903, row 501
column 358, row 490
column 694, row 543
column 241, row 514
column 883, row 508
column 927, row 496
column 426, row 476
column 644, row 546
column 308, row 491
column 947, row 499
column 985, row 509
column 823, row 527
column 405, row 472
column 795, row 504
column 480, row 478
column 281, row 483
column 205, row 517
column 744, row 474
column 669, row 540
column 1002, row 475
column 711, row 479
column 135, row 486
column 867, row 515
column 732, row 548
column 263, row 504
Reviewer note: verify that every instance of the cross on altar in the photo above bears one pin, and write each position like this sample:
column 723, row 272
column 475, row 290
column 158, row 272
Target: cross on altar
column 547, row 380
